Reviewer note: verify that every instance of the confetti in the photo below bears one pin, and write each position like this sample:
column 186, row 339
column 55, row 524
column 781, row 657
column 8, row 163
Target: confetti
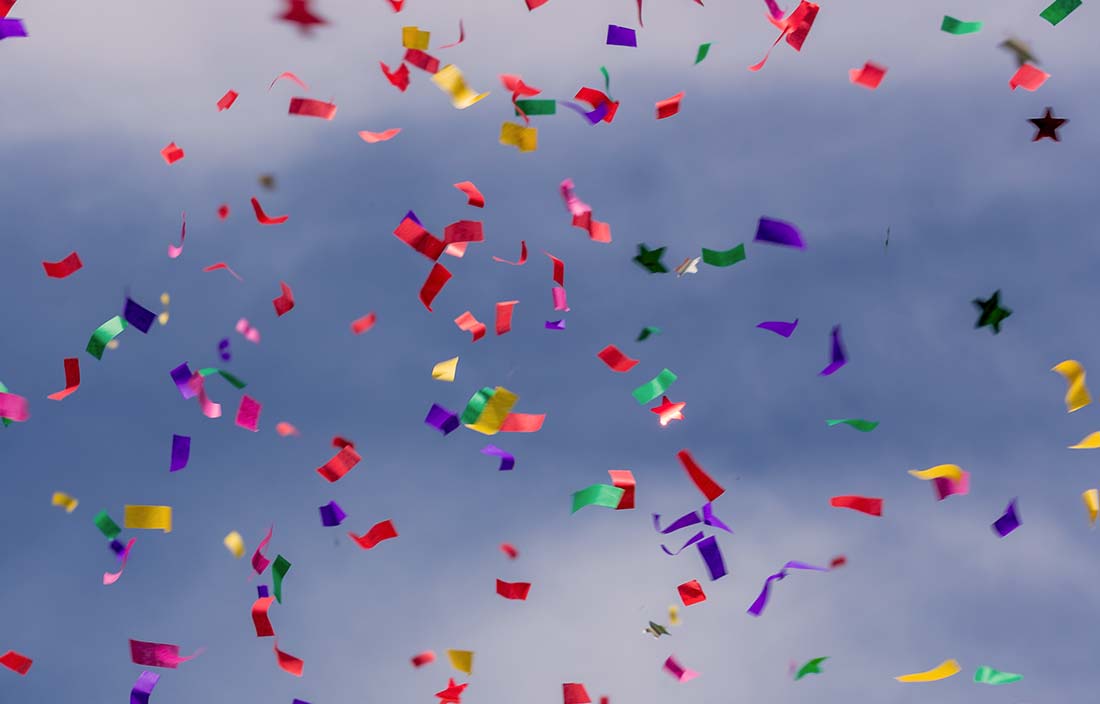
column 437, row 279
column 761, row 602
column 344, row 461
column 650, row 259
column 522, row 256
column 16, row 662
column 285, row 301
column 148, row 517
column 954, row 26
column 263, row 218
column 621, row 36
column 424, row 658
column 278, row 572
column 468, row 323
column 992, row 313
column 1008, row 522
column 171, row 154
column 473, row 195
column 669, row 411
column 461, row 660
column 727, row 257
column 513, row 590
column 863, row 504
column 655, row 387
column 65, row 501
column 65, row 267
column 702, row 52
column 413, row 38
column 624, row 479
column 870, row 76
column 423, row 61
column 669, row 106
column 398, row 79
column 11, row 28
column 181, row 452
column 813, row 667
column 98, row 342
column 691, row 592
column 259, row 562
column 1047, row 126
column 377, row 533
column 361, row 325
column 461, row 37
column 526, row 139
column 1028, row 77
column 779, row 232
column 287, row 662
column 443, row 420
column 234, row 543
column 226, row 101
column 987, row 675
column 863, row 426
column 597, row 495
column 72, row 380
column 143, row 688
column 574, row 693
column 1059, row 10
column 678, row 671
column 248, row 413
column 1091, row 497
column 112, row 577
column 509, row 550
column 837, row 356
column 648, row 332
column 450, row 80
column 332, row 515
column 615, row 360
column 948, row 668
column 158, row 654
column 222, row 265
column 507, row 459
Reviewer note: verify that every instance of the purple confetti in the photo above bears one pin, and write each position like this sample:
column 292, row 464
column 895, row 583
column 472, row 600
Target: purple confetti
column 223, row 349
column 118, row 548
column 757, row 607
column 593, row 117
column 779, row 232
column 332, row 514
column 621, row 36
column 182, row 376
column 712, row 556
column 138, row 316
column 412, row 216
column 691, row 541
column 261, row 591
column 555, row 324
column 1008, row 522
column 839, row 359
column 12, row 28
column 143, row 687
column 181, row 452
column 441, row 419
column 507, row 459
column 779, row 327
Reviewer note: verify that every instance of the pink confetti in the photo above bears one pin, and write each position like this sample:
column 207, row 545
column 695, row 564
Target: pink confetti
column 248, row 413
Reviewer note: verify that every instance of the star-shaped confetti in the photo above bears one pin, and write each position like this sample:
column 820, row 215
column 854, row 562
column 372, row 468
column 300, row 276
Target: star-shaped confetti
column 1047, row 126
column 453, row 693
column 298, row 12
column 651, row 259
column 992, row 312
column 669, row 411
column 657, row 630
column 688, row 266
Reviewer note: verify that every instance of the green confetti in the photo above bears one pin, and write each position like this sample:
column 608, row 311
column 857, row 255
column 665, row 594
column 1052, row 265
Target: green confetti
column 728, row 257
column 954, row 26
column 597, row 495
column 992, row 312
column 646, row 332
column 650, row 259
column 237, row 383
column 537, row 107
column 657, row 630
column 476, row 405
column 987, row 675
column 4, row 390
column 863, row 426
column 654, row 388
column 278, row 571
column 606, row 82
column 704, row 49
column 106, row 526
column 104, row 334
column 1059, row 10
column 813, row 667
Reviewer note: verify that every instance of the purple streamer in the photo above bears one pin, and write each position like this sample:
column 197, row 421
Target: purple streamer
column 779, row 232
column 779, row 327
column 1008, row 522
column 181, row 452
column 143, row 687
column 332, row 514
column 711, row 520
column 691, row 541
column 757, row 607
column 299, row 701
column 441, row 419
column 138, row 316
column 593, row 117
column 12, row 28
column 839, row 359
column 555, row 324
column 507, row 459
column 182, row 376
column 621, row 36
column 711, row 555
column 688, row 519
column 261, row 591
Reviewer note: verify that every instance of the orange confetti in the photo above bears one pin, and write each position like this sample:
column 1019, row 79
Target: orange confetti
column 284, row 429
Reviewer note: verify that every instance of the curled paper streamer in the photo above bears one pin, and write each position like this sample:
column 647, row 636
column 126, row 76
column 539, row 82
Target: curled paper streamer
column 948, row 668
column 158, row 654
column 72, row 379
column 1077, row 394
column 259, row 562
column 143, row 688
column 507, row 459
column 757, row 606
column 779, row 327
column 604, row 495
column 383, row 530
column 112, row 577
column 944, row 471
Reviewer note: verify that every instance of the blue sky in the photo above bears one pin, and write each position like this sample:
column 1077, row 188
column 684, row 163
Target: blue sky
column 940, row 153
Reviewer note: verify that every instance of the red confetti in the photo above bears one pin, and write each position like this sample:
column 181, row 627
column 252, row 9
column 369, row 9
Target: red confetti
column 513, row 590
column 504, row 316
column 399, row 78
column 464, row 231
column 263, row 218
column 63, row 268
column 453, row 693
column 308, row 107
column 461, row 36
column 573, row 692
column 838, row 561
column 223, row 211
column 624, row 479
column 260, row 619
column 534, row 4
column 341, row 442
column 669, row 106
column 377, row 533
column 290, row 76
column 396, row 4
column 222, row 265
column 288, row 662
column 437, row 279
column 473, row 196
column 422, row 60
column 1028, row 77
column 870, row 76
column 72, row 379
column 361, row 325
column 701, row 479
column 375, row 137
column 285, row 302
column 691, row 593
column 413, row 234
column 614, row 358
column 298, row 12
column 522, row 255
column 523, row 423
column 596, row 98
column 422, row 659
column 227, row 100
column 509, row 550
column 344, row 461
column 470, row 324
column 5, row 7
column 863, row 504
column 559, row 269
column 16, row 662
column 171, row 153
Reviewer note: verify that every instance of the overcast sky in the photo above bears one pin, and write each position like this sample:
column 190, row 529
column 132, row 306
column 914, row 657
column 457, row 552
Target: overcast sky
column 941, row 154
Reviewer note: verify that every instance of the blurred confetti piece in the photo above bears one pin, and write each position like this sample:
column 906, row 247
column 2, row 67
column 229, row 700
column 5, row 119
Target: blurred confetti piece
column 171, row 154
column 227, row 100
column 461, row 36
column 702, row 52
column 948, row 668
column 308, row 107
column 870, row 76
column 399, row 79
column 445, row 370
column 621, row 36
column 1028, row 77
column 422, row 659
column 263, row 218
column 1077, row 394
column 473, row 195
column 361, row 325
column 779, row 232
column 678, row 671
column 942, row 471
column 1091, row 497
column 217, row 266
column 468, row 323
column 137, row 315
column 259, row 561
column 575, row 693
column 504, row 311
column 284, row 303
column 837, row 356
column 811, row 667
column 284, row 429
column 287, row 75
column 234, row 543
column 462, row 660
column 69, row 503
column 673, row 615
column 525, row 139
column 648, row 332
column 522, row 256
column 513, row 590
column 250, row 333
column 375, row 137
column 443, row 420
column 509, row 550
column 148, row 517
column 449, row 79
column 669, row 106
column 1008, row 522
column 702, row 481
column 278, row 572
column 437, row 279
column 72, row 379
column 64, row 268
column 863, row 504
column 110, row 578
column 863, row 426
column 16, row 662
column 1089, row 442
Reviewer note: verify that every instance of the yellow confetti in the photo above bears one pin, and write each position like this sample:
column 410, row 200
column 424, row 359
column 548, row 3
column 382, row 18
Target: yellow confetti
column 673, row 615
column 235, row 544
column 498, row 408
column 65, row 501
column 1091, row 498
column 947, row 668
column 413, row 38
column 1090, row 442
column 445, row 371
column 462, row 660
column 1077, row 394
column 526, row 139
column 947, row 471
column 450, row 80
column 148, row 517
column 165, row 299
